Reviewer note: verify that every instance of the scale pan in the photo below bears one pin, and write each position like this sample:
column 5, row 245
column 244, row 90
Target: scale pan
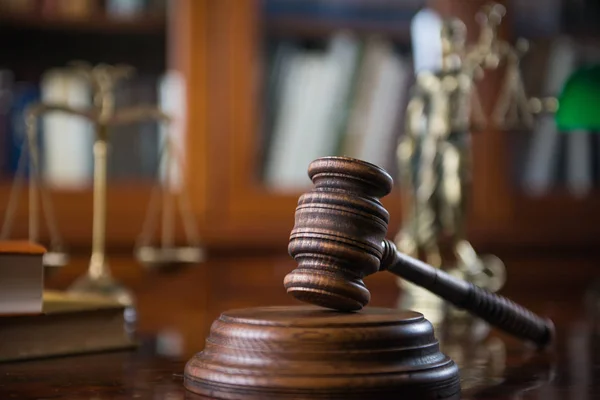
column 167, row 258
column 53, row 261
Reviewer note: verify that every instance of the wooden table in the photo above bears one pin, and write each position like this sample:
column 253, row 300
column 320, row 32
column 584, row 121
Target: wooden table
column 499, row 368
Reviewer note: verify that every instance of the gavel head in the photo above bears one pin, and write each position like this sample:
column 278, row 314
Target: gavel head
column 338, row 233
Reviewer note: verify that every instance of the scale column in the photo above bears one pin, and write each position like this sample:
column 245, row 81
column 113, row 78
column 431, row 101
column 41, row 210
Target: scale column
column 98, row 265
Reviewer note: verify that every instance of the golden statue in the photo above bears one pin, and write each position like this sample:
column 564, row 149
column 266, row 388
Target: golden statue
column 434, row 154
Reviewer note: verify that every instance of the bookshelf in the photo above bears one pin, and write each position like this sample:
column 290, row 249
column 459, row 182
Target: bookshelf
column 34, row 41
column 252, row 215
column 72, row 210
column 32, row 44
column 218, row 46
column 305, row 27
column 255, row 207
column 150, row 24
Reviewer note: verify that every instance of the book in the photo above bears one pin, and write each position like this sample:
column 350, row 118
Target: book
column 382, row 12
column 21, row 277
column 6, row 93
column 23, row 95
column 67, row 151
column 134, row 147
column 540, row 168
column 280, row 54
column 124, row 8
column 425, row 35
column 388, row 103
column 376, row 51
column 172, row 95
column 67, row 9
column 313, row 94
column 379, row 102
column 297, row 90
column 69, row 324
column 579, row 163
column 148, row 150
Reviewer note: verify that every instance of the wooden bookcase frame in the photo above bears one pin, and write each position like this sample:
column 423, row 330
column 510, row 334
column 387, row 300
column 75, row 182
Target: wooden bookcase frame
column 216, row 45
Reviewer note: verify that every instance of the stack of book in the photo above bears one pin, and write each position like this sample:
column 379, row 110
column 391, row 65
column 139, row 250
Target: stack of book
column 35, row 323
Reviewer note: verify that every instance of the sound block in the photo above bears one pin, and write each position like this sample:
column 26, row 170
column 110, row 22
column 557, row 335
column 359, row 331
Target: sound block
column 310, row 352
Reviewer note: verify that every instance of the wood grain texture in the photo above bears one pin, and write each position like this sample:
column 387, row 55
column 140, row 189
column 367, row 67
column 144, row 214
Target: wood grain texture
column 20, row 247
column 189, row 300
column 188, row 54
column 308, row 352
column 338, row 233
column 571, row 372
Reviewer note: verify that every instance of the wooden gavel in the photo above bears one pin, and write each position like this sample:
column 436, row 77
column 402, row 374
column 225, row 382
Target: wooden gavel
column 339, row 238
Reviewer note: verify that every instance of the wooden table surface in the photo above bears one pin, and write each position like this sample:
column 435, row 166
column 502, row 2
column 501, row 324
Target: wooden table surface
column 498, row 368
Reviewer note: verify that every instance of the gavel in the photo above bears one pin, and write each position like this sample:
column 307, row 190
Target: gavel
column 339, row 238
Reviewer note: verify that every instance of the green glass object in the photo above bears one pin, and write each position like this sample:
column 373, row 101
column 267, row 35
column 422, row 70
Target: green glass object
column 579, row 102
column 579, row 110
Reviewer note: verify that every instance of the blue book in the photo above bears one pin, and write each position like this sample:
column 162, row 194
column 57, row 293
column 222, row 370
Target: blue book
column 6, row 92
column 24, row 94
column 348, row 11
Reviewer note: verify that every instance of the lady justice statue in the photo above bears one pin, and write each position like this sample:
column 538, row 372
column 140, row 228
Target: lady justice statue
column 435, row 161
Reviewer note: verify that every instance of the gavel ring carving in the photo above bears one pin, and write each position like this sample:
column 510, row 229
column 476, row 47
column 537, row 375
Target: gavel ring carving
column 339, row 238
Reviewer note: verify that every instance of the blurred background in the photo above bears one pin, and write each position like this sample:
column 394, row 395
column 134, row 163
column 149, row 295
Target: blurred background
column 259, row 88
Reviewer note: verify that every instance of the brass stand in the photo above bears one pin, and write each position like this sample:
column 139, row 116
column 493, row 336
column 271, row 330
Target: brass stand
column 103, row 115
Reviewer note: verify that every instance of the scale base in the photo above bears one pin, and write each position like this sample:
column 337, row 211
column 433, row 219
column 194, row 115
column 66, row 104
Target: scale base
column 170, row 258
column 103, row 285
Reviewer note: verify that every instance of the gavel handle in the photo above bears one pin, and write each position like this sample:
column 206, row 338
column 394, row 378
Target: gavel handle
column 496, row 310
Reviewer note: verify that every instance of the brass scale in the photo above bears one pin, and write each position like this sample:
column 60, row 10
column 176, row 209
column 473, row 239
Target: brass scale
column 103, row 115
